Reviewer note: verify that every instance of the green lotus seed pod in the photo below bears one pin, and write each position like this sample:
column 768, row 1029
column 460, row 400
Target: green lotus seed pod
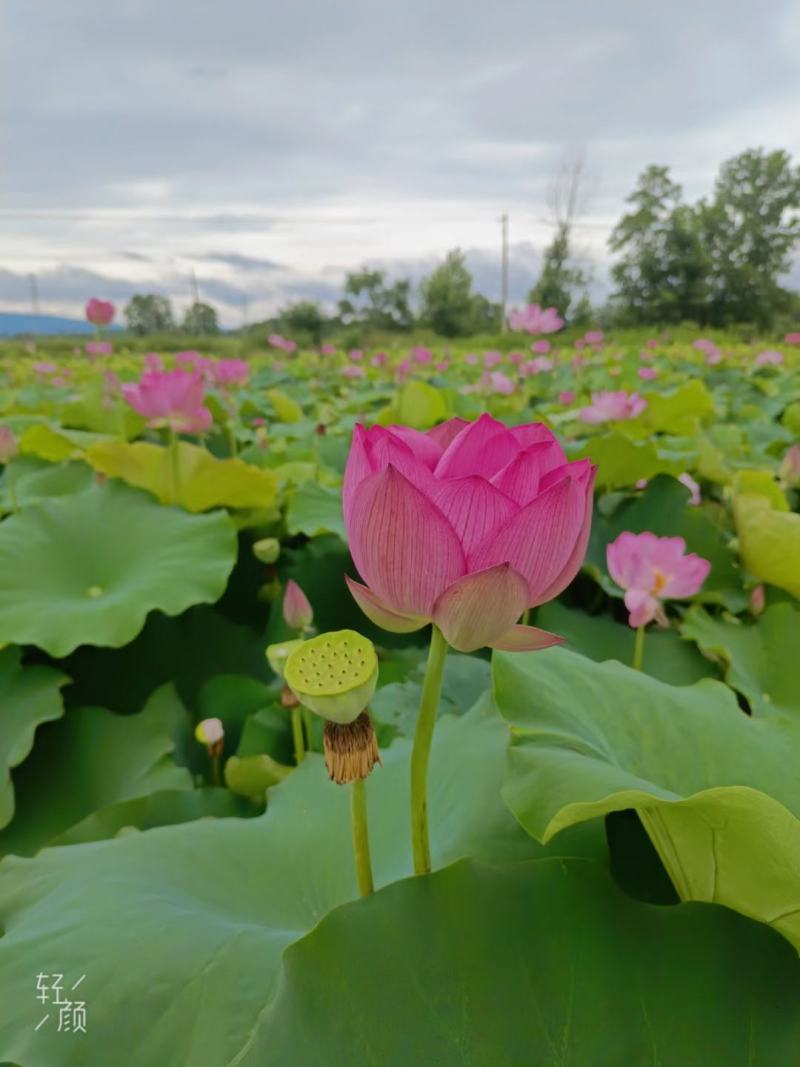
column 278, row 654
column 267, row 549
column 333, row 674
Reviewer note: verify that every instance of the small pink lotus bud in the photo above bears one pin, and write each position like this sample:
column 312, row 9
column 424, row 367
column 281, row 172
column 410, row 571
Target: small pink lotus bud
column 297, row 612
column 757, row 600
column 8, row 444
column 790, row 467
column 211, row 733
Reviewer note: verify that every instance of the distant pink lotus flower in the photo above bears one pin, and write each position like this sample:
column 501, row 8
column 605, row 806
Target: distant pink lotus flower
column 515, row 358
column 757, row 600
column 471, row 358
column 647, row 374
column 45, row 367
column 651, row 342
column 171, row 398
column 355, row 355
column 327, row 349
column 98, row 348
column 230, row 372
column 712, row 353
column 578, row 363
column 154, row 362
column 297, row 611
column 277, row 341
column 492, row 359
column 580, row 343
column 539, row 365
column 466, row 525
column 497, row 382
column 652, row 569
column 533, row 319
column 422, row 355
column 100, row 312
column 541, row 348
column 403, row 369
column 379, row 359
column 258, row 422
column 566, row 396
column 792, row 338
column 8, row 443
column 790, row 467
column 613, row 407
column 353, row 371
column 443, row 365
column 686, row 479
column 594, row 337
column 769, row 358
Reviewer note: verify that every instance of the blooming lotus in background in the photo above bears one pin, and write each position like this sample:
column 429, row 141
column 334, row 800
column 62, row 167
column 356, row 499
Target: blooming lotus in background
column 647, row 374
column 171, row 398
column 327, row 349
column 792, row 338
column 712, row 353
column 98, row 348
column 379, row 359
column 471, row 358
column 580, row 343
column 613, row 407
column 8, row 443
column 540, row 365
column 593, row 337
column 422, row 355
column 283, row 343
column 515, row 358
column 443, row 365
column 355, row 355
column 533, row 319
column 491, row 359
column 769, row 358
column 652, row 569
column 100, row 312
column 566, row 396
column 466, row 525
column 229, row 372
column 154, row 362
column 497, row 382
column 353, row 372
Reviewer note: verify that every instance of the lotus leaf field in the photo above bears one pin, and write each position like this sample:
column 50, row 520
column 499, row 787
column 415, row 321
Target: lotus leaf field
column 558, row 693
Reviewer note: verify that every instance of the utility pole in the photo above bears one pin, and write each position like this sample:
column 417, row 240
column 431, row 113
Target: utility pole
column 244, row 312
column 34, row 301
column 504, row 272
column 195, row 290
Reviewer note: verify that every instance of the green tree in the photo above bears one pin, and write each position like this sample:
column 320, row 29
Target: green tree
column 662, row 273
column 750, row 228
column 448, row 304
column 370, row 301
column 148, row 313
column 200, row 319
column 305, row 319
column 560, row 281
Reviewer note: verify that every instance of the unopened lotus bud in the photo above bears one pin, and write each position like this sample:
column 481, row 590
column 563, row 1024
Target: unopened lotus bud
column 278, row 654
column 267, row 549
column 211, row 733
column 334, row 674
column 790, row 467
column 757, row 600
column 8, row 444
column 297, row 612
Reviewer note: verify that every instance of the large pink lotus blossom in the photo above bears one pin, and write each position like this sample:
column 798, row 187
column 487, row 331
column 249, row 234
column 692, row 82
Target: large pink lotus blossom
column 229, row 372
column 770, row 357
column 613, row 407
column 171, row 398
column 100, row 312
column 466, row 525
column 652, row 569
column 533, row 319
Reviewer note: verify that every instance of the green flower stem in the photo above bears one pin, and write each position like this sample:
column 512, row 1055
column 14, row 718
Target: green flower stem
column 175, row 466
column 308, row 724
column 232, row 444
column 358, row 813
column 297, row 734
column 11, row 489
column 420, row 753
column 216, row 771
column 638, row 649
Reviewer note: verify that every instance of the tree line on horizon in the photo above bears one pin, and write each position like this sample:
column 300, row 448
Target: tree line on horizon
column 714, row 263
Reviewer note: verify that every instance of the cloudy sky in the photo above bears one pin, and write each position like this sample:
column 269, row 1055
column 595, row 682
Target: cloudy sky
column 271, row 145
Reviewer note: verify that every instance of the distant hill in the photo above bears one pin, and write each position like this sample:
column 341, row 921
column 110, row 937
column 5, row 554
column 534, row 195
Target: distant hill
column 12, row 323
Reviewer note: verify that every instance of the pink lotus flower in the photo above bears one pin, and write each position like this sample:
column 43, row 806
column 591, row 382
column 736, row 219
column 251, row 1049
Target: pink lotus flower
column 443, row 365
column 533, row 319
column 466, row 526
column 327, row 349
column 541, row 348
column 98, row 348
column 379, row 359
column 353, row 372
column 580, row 343
column 491, row 359
column 652, row 569
column 355, row 355
column 540, row 365
column 790, row 467
column 594, row 337
column 712, row 353
column 566, row 396
column 230, row 372
column 297, row 611
column 647, row 374
column 613, row 407
column 757, row 600
column 651, row 342
column 497, row 382
column 578, row 363
column 283, row 343
column 45, row 367
column 154, row 362
column 171, row 398
column 687, row 480
column 792, row 338
column 769, row 358
column 421, row 355
column 8, row 444
column 99, row 312
column 471, row 358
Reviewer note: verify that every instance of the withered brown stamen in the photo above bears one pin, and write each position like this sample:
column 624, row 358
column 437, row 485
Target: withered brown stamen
column 351, row 751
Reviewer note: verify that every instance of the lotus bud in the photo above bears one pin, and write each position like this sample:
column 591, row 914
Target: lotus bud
column 757, row 600
column 267, row 549
column 335, row 675
column 8, row 444
column 278, row 654
column 211, row 733
column 297, row 611
column 790, row 467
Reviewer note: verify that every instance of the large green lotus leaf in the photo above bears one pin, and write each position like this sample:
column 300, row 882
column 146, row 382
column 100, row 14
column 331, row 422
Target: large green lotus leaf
column 285, row 409
column 54, row 443
column 93, row 410
column 678, row 412
column 201, row 913
column 666, row 655
column 313, row 510
column 663, row 509
column 35, row 480
column 87, row 762
column 87, row 569
column 719, row 792
column 761, row 659
column 417, row 404
column 29, row 696
column 203, row 481
column 622, row 462
column 540, row 964
column 769, row 541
